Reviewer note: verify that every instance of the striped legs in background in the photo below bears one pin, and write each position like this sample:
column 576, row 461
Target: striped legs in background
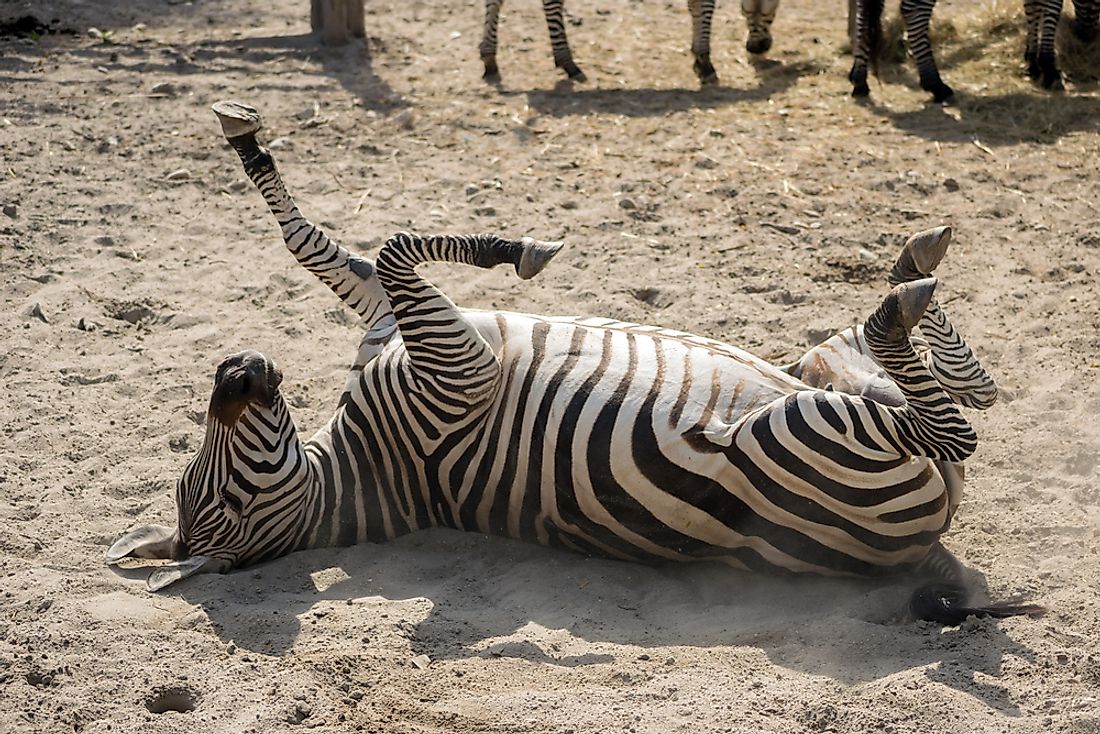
column 702, row 15
column 759, row 15
column 917, row 15
column 1043, row 17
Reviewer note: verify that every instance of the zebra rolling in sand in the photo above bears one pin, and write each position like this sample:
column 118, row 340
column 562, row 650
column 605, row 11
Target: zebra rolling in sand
column 603, row 437
column 702, row 14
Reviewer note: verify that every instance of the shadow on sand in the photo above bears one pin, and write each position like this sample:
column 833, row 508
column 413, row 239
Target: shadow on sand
column 477, row 590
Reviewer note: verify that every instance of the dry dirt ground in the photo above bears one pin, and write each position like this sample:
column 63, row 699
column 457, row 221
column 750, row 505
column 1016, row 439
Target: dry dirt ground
column 763, row 212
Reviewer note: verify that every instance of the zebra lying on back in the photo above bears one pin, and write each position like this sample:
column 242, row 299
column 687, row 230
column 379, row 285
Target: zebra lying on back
column 702, row 13
column 1042, row 22
column 603, row 437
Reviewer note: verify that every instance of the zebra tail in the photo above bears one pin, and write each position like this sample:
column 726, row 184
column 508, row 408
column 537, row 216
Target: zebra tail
column 943, row 604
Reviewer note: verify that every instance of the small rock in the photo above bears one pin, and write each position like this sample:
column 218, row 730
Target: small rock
column 627, row 203
column 866, row 255
column 706, row 162
column 95, row 33
column 105, row 240
column 472, row 189
column 11, row 210
column 951, row 184
column 181, row 174
column 37, row 312
column 165, row 89
column 404, row 119
column 231, row 648
column 485, row 211
column 816, row 335
column 421, row 662
column 87, row 324
column 569, row 205
column 670, row 661
column 238, row 186
column 280, row 143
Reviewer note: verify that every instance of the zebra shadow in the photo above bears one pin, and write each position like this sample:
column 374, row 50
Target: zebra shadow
column 455, row 596
column 567, row 98
column 257, row 59
column 997, row 120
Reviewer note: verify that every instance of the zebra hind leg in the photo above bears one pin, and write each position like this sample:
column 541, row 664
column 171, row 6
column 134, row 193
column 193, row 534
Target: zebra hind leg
column 918, row 16
column 952, row 361
column 1086, row 19
column 943, row 597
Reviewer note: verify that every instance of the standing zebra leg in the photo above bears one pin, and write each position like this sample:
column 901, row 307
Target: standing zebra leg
column 351, row 278
column 1086, row 18
column 918, row 15
column 702, row 14
column 488, row 46
column 449, row 357
column 952, row 361
column 759, row 15
column 1032, row 11
column 555, row 22
column 868, row 42
column 1044, row 67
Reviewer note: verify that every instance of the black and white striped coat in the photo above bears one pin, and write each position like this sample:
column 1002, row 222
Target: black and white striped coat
column 1042, row 22
column 604, row 437
column 702, row 14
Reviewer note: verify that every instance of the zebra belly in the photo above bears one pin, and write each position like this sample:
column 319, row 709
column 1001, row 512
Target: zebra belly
column 591, row 443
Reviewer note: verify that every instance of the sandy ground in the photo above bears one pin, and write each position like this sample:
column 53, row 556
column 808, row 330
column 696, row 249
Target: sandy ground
column 763, row 212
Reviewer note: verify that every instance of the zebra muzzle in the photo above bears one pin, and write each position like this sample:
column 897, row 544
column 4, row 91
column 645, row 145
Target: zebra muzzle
column 243, row 379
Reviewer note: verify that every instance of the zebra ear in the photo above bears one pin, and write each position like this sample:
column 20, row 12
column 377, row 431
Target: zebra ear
column 147, row 541
column 172, row 572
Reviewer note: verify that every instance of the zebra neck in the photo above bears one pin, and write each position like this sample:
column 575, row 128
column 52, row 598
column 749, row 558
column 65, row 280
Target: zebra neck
column 341, row 506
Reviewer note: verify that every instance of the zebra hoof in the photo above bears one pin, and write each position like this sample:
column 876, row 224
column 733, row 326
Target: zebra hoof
column 237, row 119
column 912, row 299
column 492, row 73
column 1053, row 82
column 1084, row 33
column 758, row 45
column 941, row 93
column 920, row 255
column 706, row 73
column 860, row 90
column 536, row 255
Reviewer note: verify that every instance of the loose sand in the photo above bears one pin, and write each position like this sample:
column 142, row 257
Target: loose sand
column 763, row 212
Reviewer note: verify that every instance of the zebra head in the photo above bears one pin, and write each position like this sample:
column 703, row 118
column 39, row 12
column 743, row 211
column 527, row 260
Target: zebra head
column 759, row 14
column 241, row 498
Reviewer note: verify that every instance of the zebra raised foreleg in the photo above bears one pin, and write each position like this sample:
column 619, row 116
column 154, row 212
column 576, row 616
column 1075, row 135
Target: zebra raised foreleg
column 351, row 278
column 448, row 358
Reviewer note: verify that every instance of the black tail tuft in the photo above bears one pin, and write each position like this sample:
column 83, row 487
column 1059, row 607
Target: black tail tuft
column 944, row 604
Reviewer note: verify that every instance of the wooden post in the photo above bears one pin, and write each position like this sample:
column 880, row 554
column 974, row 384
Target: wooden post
column 356, row 23
column 336, row 19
